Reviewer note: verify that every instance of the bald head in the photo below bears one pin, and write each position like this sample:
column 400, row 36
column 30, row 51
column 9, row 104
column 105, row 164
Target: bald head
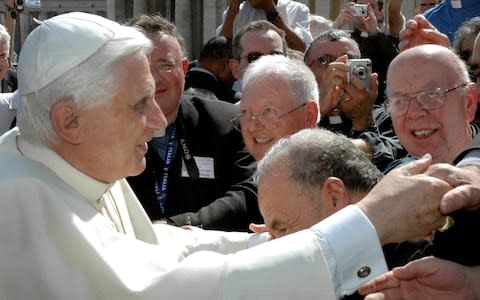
column 438, row 58
column 431, row 101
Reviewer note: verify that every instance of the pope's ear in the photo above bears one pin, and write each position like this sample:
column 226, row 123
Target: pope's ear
column 65, row 123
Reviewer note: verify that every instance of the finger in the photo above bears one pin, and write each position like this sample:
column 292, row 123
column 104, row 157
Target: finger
column 411, row 24
column 342, row 58
column 374, row 82
column 391, row 294
column 422, row 22
column 416, row 269
column 461, row 197
column 382, row 282
column 257, row 228
column 416, row 167
column 435, row 37
column 403, row 45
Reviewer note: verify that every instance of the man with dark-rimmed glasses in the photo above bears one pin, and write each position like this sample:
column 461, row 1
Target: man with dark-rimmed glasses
column 347, row 106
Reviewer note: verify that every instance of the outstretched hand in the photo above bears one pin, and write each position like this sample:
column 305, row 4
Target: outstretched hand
column 418, row 31
column 405, row 203
column 466, row 183
column 426, row 278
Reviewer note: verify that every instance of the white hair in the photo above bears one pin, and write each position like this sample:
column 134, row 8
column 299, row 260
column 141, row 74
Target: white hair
column 293, row 71
column 4, row 37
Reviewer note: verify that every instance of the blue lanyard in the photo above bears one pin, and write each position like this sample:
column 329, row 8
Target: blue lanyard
column 161, row 184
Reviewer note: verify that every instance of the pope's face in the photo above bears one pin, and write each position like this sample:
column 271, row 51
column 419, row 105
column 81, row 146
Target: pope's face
column 117, row 134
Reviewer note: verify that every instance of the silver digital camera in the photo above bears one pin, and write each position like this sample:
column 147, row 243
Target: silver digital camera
column 361, row 68
column 360, row 10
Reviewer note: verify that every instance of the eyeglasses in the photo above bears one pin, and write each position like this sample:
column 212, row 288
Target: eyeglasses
column 325, row 59
column 268, row 118
column 253, row 56
column 465, row 54
column 165, row 66
column 427, row 100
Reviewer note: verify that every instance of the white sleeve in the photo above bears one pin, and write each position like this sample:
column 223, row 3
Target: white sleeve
column 350, row 244
column 348, row 255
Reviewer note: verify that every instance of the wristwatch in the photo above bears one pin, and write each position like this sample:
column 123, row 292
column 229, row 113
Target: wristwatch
column 273, row 16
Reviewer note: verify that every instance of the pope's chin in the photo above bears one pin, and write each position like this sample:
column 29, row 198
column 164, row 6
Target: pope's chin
column 139, row 167
column 140, row 161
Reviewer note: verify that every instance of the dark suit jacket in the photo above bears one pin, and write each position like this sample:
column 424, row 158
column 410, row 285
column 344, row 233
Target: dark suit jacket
column 9, row 82
column 204, row 81
column 381, row 138
column 227, row 202
column 460, row 242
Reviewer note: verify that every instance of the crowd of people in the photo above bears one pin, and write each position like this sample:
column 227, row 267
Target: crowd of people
column 297, row 158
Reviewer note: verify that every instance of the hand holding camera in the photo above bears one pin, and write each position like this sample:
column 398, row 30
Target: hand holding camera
column 361, row 92
column 361, row 68
column 359, row 10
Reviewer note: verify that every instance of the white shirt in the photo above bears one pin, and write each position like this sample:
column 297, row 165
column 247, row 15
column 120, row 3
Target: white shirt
column 295, row 14
column 54, row 244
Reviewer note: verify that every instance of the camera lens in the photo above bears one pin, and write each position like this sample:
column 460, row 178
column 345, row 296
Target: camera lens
column 361, row 72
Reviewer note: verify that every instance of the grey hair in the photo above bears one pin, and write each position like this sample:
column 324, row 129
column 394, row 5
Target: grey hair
column 468, row 29
column 155, row 24
column 312, row 155
column 297, row 75
column 4, row 37
column 332, row 35
column 89, row 84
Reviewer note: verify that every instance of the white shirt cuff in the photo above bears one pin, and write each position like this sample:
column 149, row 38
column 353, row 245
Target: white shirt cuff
column 352, row 248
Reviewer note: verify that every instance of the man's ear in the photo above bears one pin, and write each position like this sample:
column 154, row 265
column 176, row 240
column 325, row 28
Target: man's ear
column 235, row 67
column 334, row 194
column 185, row 64
column 312, row 114
column 223, row 66
column 472, row 101
column 64, row 118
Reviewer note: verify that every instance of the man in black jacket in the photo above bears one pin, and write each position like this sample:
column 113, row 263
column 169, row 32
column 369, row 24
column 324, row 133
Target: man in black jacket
column 211, row 74
column 197, row 171
column 372, row 39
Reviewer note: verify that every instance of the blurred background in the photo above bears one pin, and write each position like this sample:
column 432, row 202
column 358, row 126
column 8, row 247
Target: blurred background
column 195, row 19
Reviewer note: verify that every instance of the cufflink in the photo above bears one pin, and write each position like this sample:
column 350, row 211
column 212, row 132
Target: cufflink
column 364, row 271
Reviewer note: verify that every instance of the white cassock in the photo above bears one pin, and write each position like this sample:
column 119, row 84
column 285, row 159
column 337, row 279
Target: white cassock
column 58, row 241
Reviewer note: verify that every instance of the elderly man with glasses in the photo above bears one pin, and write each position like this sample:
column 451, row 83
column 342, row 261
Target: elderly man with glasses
column 432, row 101
column 432, row 114
column 194, row 173
column 280, row 98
